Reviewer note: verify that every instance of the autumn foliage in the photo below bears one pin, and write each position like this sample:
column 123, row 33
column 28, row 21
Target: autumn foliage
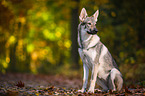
column 40, row 36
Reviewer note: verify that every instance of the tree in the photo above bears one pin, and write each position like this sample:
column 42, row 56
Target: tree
column 74, row 25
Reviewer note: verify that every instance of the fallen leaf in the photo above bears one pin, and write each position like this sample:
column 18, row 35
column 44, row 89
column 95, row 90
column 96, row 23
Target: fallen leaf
column 127, row 91
column 20, row 84
column 110, row 91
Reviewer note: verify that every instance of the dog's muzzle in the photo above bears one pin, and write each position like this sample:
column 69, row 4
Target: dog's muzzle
column 94, row 31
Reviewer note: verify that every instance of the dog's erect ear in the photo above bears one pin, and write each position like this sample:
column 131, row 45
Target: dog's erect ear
column 96, row 14
column 83, row 14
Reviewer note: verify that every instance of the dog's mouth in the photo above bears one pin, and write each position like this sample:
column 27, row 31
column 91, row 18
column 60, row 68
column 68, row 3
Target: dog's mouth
column 93, row 31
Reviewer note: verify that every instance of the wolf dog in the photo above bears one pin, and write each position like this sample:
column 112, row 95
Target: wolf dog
column 96, row 57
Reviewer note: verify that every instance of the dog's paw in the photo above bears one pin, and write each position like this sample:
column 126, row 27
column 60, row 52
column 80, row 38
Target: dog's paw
column 91, row 90
column 98, row 91
column 82, row 90
column 112, row 91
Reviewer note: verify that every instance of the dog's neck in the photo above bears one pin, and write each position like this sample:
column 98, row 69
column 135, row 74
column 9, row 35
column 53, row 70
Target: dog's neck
column 85, row 36
column 93, row 41
column 86, row 40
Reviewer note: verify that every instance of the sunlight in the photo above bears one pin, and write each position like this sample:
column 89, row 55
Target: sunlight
column 7, row 59
column 58, row 34
column 12, row 39
column 46, row 33
column 67, row 43
column 22, row 20
column 5, row 65
column 34, row 56
column 45, row 16
column 30, row 47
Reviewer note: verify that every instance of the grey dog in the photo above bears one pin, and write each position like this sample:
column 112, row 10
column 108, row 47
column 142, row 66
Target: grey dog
column 96, row 57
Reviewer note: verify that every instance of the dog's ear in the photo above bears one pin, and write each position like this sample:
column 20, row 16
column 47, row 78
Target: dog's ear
column 83, row 14
column 96, row 14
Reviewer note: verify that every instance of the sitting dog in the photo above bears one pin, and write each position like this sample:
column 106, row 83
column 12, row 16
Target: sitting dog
column 96, row 57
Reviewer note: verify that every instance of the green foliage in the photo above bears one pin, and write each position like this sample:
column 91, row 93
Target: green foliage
column 35, row 35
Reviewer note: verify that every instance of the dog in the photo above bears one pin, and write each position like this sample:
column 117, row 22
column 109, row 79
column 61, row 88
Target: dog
column 96, row 57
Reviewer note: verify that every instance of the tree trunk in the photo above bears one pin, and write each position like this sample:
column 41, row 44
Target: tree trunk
column 74, row 26
column 12, row 64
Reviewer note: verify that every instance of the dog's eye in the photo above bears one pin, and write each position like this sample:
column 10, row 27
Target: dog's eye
column 85, row 26
column 89, row 23
column 83, row 23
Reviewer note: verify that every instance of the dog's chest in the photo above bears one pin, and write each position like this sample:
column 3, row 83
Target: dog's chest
column 90, row 57
column 91, row 53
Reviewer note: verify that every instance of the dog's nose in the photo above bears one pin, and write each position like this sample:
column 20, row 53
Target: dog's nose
column 95, row 30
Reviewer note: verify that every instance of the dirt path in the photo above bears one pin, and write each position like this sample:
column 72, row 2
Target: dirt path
column 43, row 85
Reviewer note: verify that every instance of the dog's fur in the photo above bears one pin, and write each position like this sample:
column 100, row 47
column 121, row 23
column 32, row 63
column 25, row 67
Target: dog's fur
column 96, row 57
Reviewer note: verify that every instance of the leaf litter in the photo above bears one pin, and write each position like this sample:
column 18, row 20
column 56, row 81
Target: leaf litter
column 17, row 84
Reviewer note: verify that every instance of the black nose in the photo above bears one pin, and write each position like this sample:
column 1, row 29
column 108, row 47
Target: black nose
column 94, row 31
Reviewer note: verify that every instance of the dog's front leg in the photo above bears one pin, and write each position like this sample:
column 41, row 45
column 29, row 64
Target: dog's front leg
column 85, row 78
column 93, row 78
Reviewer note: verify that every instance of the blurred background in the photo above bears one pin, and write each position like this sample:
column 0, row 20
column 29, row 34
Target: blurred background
column 40, row 36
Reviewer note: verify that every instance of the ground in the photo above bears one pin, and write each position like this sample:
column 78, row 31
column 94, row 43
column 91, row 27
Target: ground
column 18, row 84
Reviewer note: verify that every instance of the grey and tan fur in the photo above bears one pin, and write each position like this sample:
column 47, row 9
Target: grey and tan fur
column 96, row 57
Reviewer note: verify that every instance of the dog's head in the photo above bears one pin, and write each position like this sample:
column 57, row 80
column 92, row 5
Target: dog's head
column 89, row 23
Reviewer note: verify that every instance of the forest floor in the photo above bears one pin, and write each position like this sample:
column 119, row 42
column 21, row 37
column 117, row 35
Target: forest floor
column 18, row 84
